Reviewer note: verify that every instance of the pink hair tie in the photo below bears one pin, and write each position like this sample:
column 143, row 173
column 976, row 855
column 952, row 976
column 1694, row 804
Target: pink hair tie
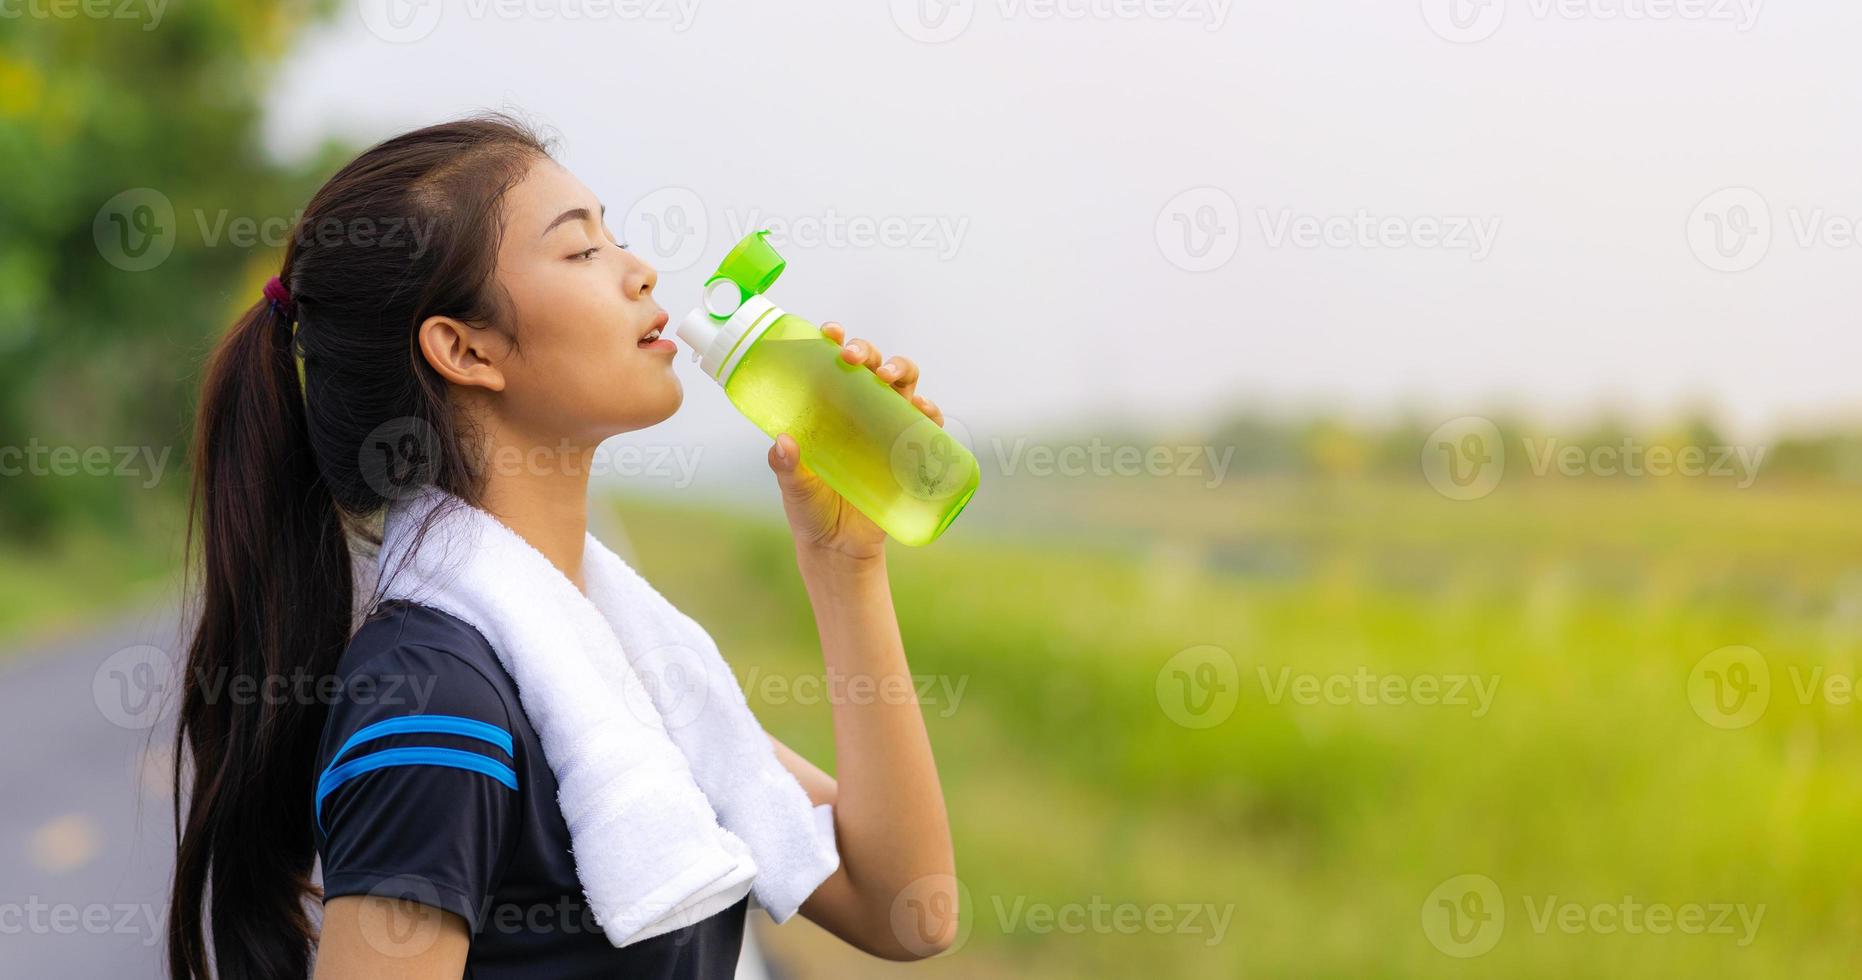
column 280, row 297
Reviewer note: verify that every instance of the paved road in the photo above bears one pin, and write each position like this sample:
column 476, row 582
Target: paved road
column 85, row 830
column 86, row 834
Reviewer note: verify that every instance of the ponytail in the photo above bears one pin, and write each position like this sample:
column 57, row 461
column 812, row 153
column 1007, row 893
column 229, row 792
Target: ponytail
column 279, row 480
column 274, row 597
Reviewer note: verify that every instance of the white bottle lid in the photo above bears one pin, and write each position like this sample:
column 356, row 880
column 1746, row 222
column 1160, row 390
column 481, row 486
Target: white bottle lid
column 718, row 344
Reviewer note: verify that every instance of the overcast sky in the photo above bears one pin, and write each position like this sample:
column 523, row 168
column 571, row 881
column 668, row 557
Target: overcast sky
column 1165, row 207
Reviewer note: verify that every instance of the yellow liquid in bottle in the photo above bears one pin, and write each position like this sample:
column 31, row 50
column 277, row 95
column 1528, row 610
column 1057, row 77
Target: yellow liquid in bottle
column 873, row 447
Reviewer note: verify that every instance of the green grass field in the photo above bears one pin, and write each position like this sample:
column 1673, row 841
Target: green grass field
column 1622, row 833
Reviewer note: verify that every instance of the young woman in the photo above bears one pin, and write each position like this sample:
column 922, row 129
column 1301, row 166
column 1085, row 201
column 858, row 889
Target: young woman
column 455, row 298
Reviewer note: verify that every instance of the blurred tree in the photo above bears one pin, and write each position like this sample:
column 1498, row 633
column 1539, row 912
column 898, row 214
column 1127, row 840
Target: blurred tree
column 125, row 130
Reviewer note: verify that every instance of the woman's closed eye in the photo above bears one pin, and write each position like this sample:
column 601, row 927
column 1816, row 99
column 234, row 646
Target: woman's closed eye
column 587, row 253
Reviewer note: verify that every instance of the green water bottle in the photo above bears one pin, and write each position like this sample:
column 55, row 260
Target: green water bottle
column 873, row 447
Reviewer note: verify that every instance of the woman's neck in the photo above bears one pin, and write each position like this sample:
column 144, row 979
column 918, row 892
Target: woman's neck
column 547, row 504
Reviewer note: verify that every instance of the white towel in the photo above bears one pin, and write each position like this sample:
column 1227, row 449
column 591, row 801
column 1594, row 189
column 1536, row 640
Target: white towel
column 675, row 801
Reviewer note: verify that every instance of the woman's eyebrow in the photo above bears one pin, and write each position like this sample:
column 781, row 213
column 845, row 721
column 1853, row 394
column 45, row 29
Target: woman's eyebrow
column 573, row 214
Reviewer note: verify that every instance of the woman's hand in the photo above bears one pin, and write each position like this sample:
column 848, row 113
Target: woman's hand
column 820, row 518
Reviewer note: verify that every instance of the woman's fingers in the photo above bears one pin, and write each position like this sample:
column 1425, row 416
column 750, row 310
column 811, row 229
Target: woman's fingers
column 930, row 409
column 901, row 373
column 857, row 351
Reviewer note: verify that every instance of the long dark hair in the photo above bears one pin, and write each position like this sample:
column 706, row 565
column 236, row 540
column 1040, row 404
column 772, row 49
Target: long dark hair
column 285, row 473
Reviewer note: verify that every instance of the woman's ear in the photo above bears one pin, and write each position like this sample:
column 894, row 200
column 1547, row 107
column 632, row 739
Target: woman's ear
column 461, row 353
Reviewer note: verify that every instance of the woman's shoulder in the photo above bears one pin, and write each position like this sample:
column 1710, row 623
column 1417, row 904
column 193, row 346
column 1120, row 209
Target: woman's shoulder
column 397, row 626
column 420, row 659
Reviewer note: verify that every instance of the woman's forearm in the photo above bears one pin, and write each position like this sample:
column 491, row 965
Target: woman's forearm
column 892, row 830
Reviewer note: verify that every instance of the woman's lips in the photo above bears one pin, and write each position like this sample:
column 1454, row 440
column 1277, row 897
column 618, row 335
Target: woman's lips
column 654, row 338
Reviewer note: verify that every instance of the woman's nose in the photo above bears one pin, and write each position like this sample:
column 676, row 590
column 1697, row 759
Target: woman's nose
column 641, row 278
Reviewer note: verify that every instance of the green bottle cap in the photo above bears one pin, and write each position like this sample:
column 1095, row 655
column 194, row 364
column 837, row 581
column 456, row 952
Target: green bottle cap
column 752, row 264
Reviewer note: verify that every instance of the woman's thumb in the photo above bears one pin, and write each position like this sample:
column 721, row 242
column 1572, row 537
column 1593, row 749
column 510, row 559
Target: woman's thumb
column 784, row 457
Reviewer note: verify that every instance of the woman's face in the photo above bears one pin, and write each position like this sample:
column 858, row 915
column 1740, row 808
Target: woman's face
column 582, row 307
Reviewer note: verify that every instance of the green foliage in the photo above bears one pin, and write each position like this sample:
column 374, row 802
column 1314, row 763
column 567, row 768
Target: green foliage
column 91, row 107
column 1327, row 825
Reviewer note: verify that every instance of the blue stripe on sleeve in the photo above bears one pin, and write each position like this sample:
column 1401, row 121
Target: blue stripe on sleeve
column 337, row 774
column 428, row 725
